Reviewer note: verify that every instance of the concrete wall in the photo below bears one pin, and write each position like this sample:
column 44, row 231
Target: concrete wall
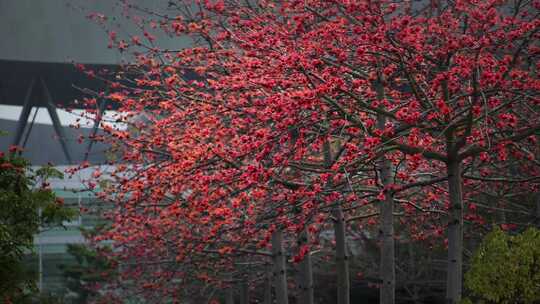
column 58, row 30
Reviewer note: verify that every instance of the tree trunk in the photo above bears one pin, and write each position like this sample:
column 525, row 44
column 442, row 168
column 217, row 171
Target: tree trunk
column 454, row 275
column 244, row 293
column 412, row 273
column 342, row 259
column 229, row 296
column 268, row 288
column 280, row 274
column 387, row 271
column 306, row 274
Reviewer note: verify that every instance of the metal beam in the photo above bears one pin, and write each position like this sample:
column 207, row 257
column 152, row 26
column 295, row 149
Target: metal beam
column 25, row 113
column 51, row 108
column 100, row 112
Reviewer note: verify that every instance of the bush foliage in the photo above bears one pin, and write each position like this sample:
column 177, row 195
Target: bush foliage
column 506, row 268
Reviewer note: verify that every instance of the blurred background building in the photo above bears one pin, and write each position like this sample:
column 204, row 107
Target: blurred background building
column 42, row 41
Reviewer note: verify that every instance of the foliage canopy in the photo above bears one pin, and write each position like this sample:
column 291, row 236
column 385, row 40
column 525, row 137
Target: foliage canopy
column 26, row 204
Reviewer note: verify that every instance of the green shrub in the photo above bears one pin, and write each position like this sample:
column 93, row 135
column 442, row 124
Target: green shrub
column 506, row 269
column 26, row 205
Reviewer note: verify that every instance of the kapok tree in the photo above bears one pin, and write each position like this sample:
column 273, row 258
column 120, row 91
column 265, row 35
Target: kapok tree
column 233, row 154
column 466, row 73
column 388, row 83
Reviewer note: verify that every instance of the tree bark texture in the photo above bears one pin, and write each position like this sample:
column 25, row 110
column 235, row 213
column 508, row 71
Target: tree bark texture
column 342, row 259
column 229, row 296
column 387, row 271
column 244, row 293
column 306, row 274
column 268, row 288
column 280, row 271
column 454, row 275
